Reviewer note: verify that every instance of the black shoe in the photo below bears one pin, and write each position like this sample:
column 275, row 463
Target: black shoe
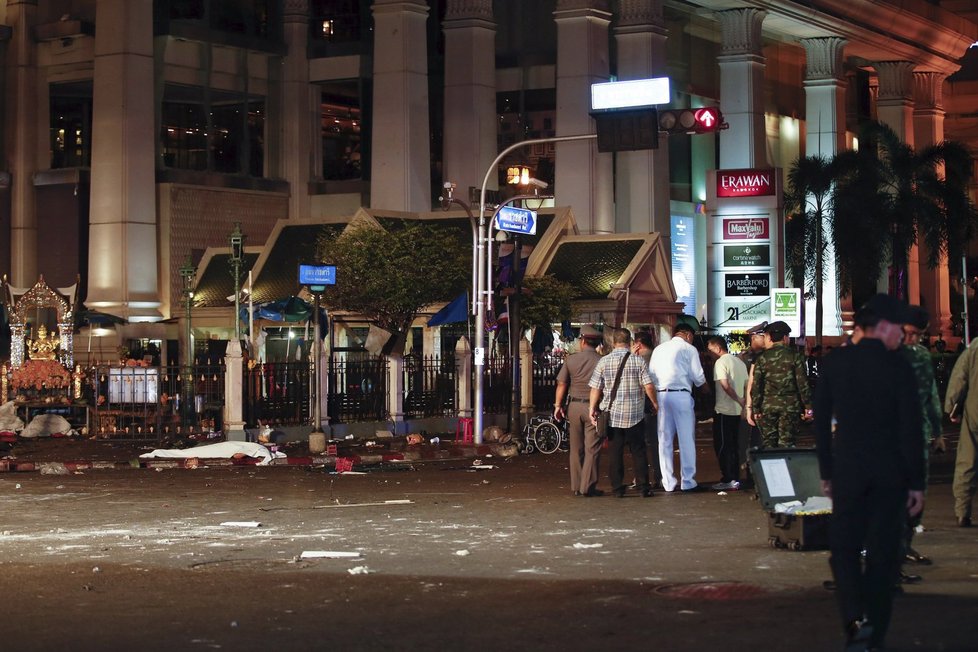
column 907, row 578
column 915, row 557
column 828, row 585
column 693, row 490
column 647, row 493
column 964, row 521
column 620, row 493
column 593, row 492
column 858, row 633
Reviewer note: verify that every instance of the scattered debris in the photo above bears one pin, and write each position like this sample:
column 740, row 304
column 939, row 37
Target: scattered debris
column 583, row 546
column 462, row 553
column 359, row 570
column 328, row 554
column 54, row 468
column 241, row 524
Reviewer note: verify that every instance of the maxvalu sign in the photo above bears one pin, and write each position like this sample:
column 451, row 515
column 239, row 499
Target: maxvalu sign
column 747, row 285
column 746, row 228
column 751, row 255
column 745, row 183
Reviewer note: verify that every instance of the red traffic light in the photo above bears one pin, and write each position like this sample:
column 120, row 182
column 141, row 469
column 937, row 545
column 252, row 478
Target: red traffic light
column 707, row 119
column 691, row 121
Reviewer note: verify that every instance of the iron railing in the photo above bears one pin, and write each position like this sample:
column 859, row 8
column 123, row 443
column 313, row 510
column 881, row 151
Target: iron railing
column 429, row 386
column 357, row 387
column 277, row 393
column 545, row 368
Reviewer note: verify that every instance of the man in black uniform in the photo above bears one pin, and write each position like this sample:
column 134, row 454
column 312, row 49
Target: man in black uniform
column 872, row 465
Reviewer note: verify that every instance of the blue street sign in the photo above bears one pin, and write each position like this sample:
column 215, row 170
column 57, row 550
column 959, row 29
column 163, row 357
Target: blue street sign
column 317, row 276
column 516, row 220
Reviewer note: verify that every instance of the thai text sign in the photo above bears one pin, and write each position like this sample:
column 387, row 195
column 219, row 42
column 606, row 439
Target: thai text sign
column 747, row 285
column 746, row 228
column 753, row 255
column 745, row 183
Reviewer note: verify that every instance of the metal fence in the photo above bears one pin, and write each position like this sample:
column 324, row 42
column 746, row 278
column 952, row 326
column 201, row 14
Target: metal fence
column 429, row 386
column 357, row 387
column 277, row 393
column 498, row 385
column 545, row 368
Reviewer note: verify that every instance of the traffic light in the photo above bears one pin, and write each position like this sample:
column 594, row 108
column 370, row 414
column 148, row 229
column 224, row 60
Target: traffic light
column 691, row 121
column 626, row 131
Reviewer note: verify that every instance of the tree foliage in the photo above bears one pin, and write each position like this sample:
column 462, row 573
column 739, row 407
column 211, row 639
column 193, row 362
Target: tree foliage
column 546, row 301
column 388, row 276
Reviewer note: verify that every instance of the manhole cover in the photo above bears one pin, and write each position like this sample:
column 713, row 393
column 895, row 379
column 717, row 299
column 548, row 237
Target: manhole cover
column 720, row 590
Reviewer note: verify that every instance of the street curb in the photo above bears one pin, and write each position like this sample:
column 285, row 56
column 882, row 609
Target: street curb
column 413, row 455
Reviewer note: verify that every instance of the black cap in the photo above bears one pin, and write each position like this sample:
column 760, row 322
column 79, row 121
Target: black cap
column 883, row 306
column 777, row 330
column 757, row 329
column 918, row 318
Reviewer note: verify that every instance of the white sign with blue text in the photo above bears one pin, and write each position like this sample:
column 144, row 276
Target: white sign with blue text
column 516, row 220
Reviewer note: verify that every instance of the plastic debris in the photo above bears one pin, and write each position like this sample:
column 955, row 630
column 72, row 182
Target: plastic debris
column 359, row 570
column 329, row 554
column 462, row 553
column 584, row 546
column 241, row 524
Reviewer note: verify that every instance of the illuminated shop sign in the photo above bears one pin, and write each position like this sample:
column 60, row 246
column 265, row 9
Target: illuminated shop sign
column 745, row 183
column 746, row 228
column 747, row 285
column 752, row 255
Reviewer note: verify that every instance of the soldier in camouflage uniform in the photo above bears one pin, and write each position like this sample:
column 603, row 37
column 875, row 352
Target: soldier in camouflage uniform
column 930, row 408
column 779, row 394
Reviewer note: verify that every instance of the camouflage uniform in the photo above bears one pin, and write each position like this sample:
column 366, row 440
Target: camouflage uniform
column 930, row 402
column 779, row 394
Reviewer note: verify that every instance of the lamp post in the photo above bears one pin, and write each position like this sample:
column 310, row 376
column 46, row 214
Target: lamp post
column 187, row 273
column 236, row 240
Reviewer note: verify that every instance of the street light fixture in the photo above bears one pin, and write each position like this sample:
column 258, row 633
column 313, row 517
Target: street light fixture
column 236, row 241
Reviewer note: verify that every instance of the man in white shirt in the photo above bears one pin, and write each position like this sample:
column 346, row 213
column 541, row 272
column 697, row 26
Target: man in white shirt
column 730, row 374
column 675, row 367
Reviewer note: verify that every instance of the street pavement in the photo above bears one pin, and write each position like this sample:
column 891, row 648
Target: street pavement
column 431, row 552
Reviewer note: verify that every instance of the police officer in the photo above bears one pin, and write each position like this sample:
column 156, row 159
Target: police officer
column 572, row 385
column 779, row 395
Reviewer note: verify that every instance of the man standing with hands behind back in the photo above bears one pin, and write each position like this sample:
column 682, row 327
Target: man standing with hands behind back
column 572, row 384
column 872, row 466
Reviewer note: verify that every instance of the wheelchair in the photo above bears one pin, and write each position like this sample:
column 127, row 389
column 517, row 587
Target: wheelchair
column 545, row 434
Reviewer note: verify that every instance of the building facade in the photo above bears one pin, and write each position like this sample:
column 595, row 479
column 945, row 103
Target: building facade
column 137, row 132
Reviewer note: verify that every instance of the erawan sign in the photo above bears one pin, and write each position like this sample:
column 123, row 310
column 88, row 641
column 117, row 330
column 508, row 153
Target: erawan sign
column 745, row 183
column 746, row 228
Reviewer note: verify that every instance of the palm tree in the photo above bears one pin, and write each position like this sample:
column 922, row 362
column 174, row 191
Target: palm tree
column 808, row 211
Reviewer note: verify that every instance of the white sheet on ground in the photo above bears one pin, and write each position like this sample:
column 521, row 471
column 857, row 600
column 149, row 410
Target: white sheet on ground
column 220, row 450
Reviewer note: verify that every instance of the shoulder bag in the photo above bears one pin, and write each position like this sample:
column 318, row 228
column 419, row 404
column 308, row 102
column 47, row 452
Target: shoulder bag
column 605, row 417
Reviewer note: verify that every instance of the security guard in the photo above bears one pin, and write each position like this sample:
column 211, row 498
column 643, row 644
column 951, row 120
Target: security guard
column 779, row 395
column 572, row 385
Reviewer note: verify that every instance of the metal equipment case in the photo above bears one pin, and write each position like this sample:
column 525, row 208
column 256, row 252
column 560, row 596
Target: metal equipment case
column 783, row 475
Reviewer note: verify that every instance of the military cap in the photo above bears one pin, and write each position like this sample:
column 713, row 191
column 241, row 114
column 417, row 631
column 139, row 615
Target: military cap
column 889, row 308
column 757, row 329
column 918, row 317
column 777, row 329
column 590, row 332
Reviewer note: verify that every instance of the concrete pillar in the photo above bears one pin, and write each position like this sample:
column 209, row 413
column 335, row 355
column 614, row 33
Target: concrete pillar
column 470, row 94
column 928, row 129
column 583, row 177
column 894, row 108
column 395, row 392
column 642, row 178
column 742, row 64
column 526, row 379
column 825, row 122
column 123, row 260
column 463, row 378
column 233, row 393
column 300, row 123
column 21, row 134
column 400, row 173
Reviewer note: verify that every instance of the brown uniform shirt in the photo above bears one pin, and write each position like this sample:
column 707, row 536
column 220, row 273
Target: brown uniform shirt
column 576, row 372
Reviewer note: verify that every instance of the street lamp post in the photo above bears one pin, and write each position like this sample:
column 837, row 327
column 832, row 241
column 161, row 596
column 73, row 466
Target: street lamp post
column 236, row 240
column 188, row 274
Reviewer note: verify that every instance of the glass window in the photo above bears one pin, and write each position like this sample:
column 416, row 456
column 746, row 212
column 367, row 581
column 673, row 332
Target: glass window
column 246, row 17
column 71, row 124
column 336, row 21
column 518, row 113
column 341, row 126
column 222, row 133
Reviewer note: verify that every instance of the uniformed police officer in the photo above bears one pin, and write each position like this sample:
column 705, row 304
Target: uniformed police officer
column 572, row 384
column 779, row 395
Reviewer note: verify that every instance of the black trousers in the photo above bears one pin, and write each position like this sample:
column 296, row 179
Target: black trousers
column 650, row 425
column 871, row 517
column 634, row 436
column 726, row 431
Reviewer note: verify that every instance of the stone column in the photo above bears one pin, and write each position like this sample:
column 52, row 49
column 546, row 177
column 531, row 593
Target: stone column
column 300, row 106
column 395, row 392
column 470, row 93
column 463, row 378
column 825, row 125
column 400, row 173
column 21, row 139
column 233, row 393
column 526, row 381
column 642, row 178
column 894, row 107
column 744, row 144
column 123, row 262
column 583, row 177
column 928, row 129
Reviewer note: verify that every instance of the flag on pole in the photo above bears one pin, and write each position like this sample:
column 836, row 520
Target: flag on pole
column 455, row 311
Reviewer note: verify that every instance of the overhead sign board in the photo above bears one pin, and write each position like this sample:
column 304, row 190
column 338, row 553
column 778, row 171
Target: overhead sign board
column 317, row 277
column 746, row 228
column 516, row 220
column 747, row 285
column 749, row 255
column 630, row 94
column 745, row 183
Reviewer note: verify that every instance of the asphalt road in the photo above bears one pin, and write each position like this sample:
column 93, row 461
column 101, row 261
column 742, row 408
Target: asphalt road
column 434, row 556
